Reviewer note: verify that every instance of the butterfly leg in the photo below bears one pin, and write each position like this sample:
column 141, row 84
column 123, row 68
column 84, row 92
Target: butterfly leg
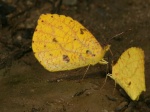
column 104, row 82
column 102, row 61
column 85, row 72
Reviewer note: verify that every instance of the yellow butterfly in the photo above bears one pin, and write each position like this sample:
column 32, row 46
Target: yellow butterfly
column 128, row 72
column 61, row 43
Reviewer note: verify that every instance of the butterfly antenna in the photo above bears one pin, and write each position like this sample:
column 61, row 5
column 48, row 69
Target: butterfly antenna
column 117, row 35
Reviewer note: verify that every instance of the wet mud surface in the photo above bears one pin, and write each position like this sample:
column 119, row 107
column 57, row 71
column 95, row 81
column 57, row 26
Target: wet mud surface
column 25, row 86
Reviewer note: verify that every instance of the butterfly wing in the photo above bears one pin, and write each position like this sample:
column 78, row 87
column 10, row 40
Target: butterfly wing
column 128, row 72
column 61, row 43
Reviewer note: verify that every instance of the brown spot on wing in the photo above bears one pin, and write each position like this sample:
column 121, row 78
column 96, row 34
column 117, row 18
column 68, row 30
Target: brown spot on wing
column 89, row 53
column 66, row 58
column 54, row 40
column 129, row 83
column 82, row 30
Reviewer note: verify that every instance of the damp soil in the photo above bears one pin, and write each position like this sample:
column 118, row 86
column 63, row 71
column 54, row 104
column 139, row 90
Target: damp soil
column 25, row 86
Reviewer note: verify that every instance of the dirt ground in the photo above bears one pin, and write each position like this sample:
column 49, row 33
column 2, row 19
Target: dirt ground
column 25, row 86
